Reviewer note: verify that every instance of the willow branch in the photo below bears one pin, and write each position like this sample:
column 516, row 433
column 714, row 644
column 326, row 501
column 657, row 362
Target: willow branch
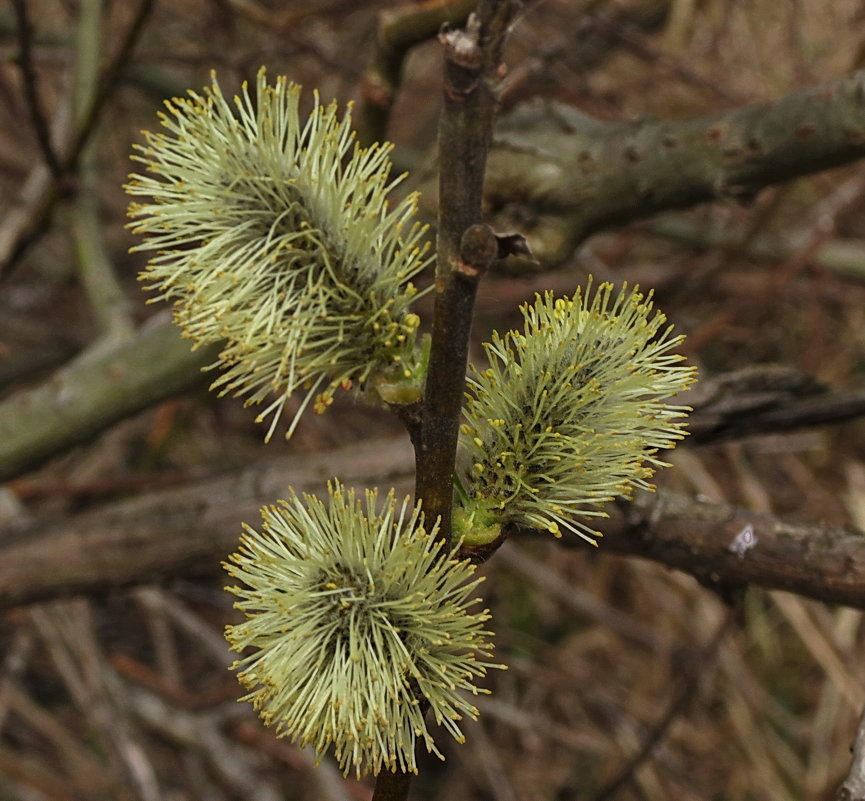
column 466, row 248
column 709, row 542
column 187, row 530
column 472, row 58
column 95, row 391
column 576, row 174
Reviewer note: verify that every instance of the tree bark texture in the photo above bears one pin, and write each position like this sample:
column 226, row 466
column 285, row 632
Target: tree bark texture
column 94, row 392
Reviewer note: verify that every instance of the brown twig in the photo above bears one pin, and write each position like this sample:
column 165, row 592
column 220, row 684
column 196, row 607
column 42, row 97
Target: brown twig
column 472, row 58
column 40, row 206
column 31, row 88
column 724, row 547
column 611, row 26
column 762, row 399
column 789, row 415
column 399, row 29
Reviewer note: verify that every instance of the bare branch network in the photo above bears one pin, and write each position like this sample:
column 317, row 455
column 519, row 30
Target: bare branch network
column 544, row 171
column 187, row 530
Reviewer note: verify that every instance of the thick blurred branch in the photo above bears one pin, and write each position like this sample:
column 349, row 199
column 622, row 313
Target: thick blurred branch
column 188, row 530
column 95, row 391
column 558, row 175
column 843, row 256
column 765, row 398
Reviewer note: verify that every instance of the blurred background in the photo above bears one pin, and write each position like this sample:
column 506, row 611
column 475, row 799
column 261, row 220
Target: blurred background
column 623, row 681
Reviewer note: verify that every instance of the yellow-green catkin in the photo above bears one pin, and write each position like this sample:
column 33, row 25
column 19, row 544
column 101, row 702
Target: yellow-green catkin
column 571, row 413
column 272, row 233
column 356, row 624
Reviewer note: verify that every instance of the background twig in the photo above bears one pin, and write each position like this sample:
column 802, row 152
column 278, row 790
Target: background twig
column 31, row 88
column 188, row 529
column 398, row 30
column 40, row 202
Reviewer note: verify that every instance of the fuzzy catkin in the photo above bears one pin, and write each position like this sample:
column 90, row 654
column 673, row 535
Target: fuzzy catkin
column 358, row 621
column 570, row 414
column 273, row 234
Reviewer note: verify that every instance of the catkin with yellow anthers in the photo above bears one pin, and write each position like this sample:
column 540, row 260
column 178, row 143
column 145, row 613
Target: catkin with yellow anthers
column 571, row 412
column 353, row 613
column 272, row 233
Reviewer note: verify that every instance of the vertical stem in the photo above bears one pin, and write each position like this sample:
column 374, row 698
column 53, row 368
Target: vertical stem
column 465, row 248
column 96, row 271
column 391, row 786
column 472, row 58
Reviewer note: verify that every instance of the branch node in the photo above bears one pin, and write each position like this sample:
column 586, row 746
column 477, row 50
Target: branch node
column 463, row 45
column 478, row 250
